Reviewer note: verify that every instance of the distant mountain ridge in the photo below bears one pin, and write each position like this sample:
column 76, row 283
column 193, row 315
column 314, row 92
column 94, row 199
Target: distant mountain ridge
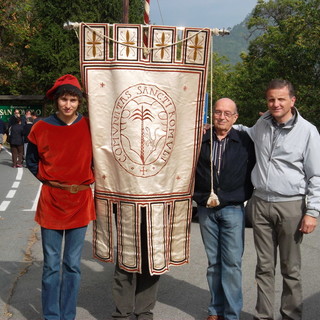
column 231, row 46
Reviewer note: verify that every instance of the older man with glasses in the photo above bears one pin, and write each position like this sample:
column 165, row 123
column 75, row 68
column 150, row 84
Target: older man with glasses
column 230, row 153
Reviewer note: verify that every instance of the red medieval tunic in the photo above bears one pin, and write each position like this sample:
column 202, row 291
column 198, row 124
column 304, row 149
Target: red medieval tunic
column 65, row 154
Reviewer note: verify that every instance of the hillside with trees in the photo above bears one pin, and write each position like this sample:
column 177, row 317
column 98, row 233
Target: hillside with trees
column 35, row 49
column 288, row 47
column 231, row 46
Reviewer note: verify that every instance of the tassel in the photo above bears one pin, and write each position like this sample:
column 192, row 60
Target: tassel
column 213, row 200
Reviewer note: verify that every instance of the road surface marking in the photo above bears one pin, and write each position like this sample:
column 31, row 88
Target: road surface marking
column 11, row 194
column 19, row 174
column 15, row 184
column 35, row 201
column 4, row 204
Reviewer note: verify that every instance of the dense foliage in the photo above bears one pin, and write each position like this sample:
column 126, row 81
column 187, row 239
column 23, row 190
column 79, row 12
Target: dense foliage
column 36, row 49
column 289, row 47
column 15, row 35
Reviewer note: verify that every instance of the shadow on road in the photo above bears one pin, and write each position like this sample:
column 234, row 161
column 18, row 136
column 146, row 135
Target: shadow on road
column 95, row 295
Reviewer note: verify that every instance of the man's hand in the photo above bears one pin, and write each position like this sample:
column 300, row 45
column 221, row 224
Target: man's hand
column 308, row 224
column 206, row 127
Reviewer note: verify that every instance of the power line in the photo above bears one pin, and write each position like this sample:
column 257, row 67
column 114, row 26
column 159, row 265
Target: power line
column 160, row 12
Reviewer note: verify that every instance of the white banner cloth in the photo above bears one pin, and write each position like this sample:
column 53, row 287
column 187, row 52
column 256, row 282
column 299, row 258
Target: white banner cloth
column 146, row 115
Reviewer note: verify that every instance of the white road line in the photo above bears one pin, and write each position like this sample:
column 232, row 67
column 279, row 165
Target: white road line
column 19, row 174
column 11, row 194
column 7, row 151
column 35, row 201
column 4, row 205
column 15, row 184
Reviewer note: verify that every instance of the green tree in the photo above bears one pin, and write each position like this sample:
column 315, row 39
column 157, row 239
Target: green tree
column 57, row 49
column 15, row 35
column 39, row 49
column 289, row 48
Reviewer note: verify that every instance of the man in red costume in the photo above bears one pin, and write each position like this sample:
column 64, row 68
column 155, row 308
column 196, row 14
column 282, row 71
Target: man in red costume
column 60, row 156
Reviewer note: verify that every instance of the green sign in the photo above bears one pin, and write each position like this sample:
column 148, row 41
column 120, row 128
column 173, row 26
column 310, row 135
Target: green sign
column 7, row 111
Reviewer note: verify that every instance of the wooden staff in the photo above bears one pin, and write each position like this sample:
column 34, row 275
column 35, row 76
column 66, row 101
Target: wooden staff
column 147, row 12
column 146, row 18
column 125, row 17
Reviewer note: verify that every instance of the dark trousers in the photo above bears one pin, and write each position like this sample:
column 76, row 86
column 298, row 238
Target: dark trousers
column 17, row 154
column 135, row 292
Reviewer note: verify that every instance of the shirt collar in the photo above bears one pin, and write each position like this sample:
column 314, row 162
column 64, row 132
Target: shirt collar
column 232, row 134
column 289, row 123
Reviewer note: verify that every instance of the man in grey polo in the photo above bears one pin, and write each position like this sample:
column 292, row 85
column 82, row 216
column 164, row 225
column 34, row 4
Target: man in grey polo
column 286, row 200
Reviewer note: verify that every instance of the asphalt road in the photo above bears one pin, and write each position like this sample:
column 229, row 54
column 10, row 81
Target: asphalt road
column 183, row 291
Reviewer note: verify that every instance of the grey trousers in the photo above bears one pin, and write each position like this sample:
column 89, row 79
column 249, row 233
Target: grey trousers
column 135, row 293
column 276, row 226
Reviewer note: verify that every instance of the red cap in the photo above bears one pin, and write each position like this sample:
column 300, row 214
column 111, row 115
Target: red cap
column 69, row 82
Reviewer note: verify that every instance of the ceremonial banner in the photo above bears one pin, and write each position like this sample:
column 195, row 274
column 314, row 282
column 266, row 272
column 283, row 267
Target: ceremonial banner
column 146, row 113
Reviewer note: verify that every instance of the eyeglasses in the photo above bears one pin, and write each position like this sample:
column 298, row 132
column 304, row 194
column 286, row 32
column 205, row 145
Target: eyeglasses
column 227, row 114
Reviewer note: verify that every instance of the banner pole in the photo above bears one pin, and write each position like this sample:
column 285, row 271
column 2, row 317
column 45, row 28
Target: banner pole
column 146, row 18
column 146, row 12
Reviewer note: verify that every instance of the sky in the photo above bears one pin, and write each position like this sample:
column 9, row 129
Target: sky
column 200, row 13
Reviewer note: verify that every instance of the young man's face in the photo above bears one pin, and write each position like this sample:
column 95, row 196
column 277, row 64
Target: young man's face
column 68, row 105
column 280, row 104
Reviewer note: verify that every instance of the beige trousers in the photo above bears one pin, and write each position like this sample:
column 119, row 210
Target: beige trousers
column 276, row 226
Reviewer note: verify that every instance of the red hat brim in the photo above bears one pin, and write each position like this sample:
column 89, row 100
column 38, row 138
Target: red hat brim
column 67, row 80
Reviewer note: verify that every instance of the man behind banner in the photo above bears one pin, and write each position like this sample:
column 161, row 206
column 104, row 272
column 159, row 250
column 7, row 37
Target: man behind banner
column 136, row 292
column 222, row 227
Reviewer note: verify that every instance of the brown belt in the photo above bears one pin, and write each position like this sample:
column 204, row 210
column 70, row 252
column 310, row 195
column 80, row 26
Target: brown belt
column 73, row 188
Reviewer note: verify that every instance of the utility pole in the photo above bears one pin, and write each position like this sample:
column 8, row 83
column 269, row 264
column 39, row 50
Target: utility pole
column 125, row 11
